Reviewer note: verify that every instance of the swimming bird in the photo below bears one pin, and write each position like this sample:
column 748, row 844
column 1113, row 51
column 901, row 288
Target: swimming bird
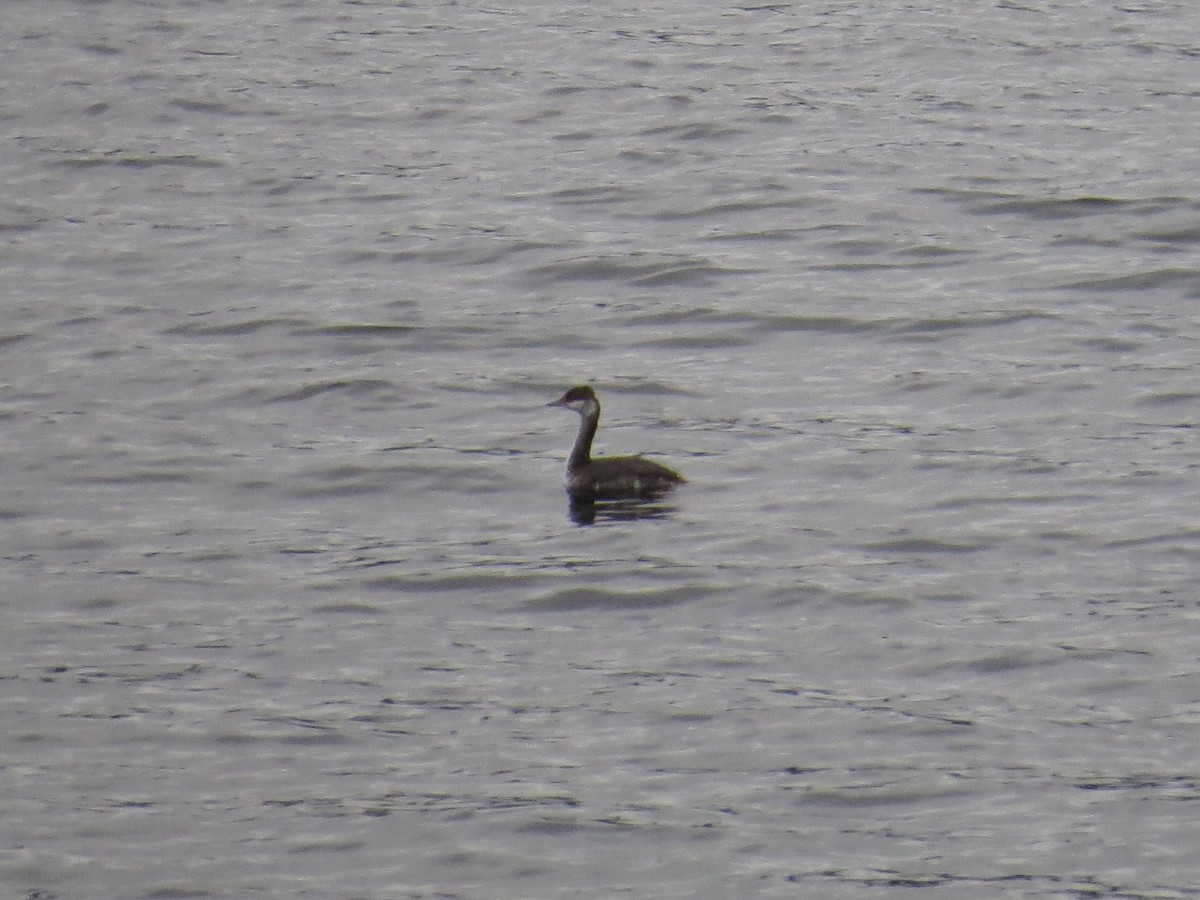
column 613, row 477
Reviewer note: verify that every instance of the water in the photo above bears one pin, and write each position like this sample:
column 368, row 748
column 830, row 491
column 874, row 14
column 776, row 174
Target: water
column 293, row 605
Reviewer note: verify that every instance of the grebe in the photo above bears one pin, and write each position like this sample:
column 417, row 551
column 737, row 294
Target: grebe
column 614, row 478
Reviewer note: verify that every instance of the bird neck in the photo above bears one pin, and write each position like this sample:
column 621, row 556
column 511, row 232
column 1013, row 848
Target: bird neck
column 581, row 453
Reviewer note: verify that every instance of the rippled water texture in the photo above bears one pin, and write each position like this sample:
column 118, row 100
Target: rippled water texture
column 292, row 602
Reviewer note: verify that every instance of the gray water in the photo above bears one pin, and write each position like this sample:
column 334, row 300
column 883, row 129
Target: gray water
column 292, row 602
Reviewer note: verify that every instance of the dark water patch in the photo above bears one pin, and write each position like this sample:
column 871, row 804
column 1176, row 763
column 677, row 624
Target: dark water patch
column 423, row 705
column 683, row 314
column 885, row 599
column 868, row 267
column 353, row 330
column 197, row 328
column 1014, row 499
column 121, row 159
column 822, row 698
column 213, row 556
column 776, row 323
column 575, row 599
column 1186, row 537
column 167, row 892
column 85, row 542
column 558, row 341
column 1044, row 208
column 967, row 885
column 915, row 545
column 347, row 608
column 486, row 250
column 353, row 387
column 592, row 195
column 1055, row 207
column 756, row 323
column 776, row 234
column 985, row 202
column 799, row 594
column 313, row 734
column 131, row 674
column 887, row 789
column 687, row 275
column 1011, row 660
column 216, row 107
column 138, row 476
column 379, row 196
column 860, row 247
column 475, row 581
column 575, row 136
column 99, row 604
column 1112, row 344
column 935, row 252
column 817, row 324
column 92, row 321
column 1178, row 787
column 1071, row 242
column 1018, row 463
column 421, row 802
column 328, row 845
column 632, row 270
column 1188, row 279
column 638, row 823
column 982, row 319
column 1172, row 398
column 693, row 131
column 724, row 209
column 709, row 341
column 561, row 825
column 1171, row 236
column 101, row 49
column 31, row 223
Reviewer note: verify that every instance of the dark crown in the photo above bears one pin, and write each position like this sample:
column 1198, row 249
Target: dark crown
column 579, row 392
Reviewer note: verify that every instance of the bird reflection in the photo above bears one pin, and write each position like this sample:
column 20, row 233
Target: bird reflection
column 589, row 512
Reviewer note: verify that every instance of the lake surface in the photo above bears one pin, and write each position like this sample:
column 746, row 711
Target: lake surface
column 293, row 604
